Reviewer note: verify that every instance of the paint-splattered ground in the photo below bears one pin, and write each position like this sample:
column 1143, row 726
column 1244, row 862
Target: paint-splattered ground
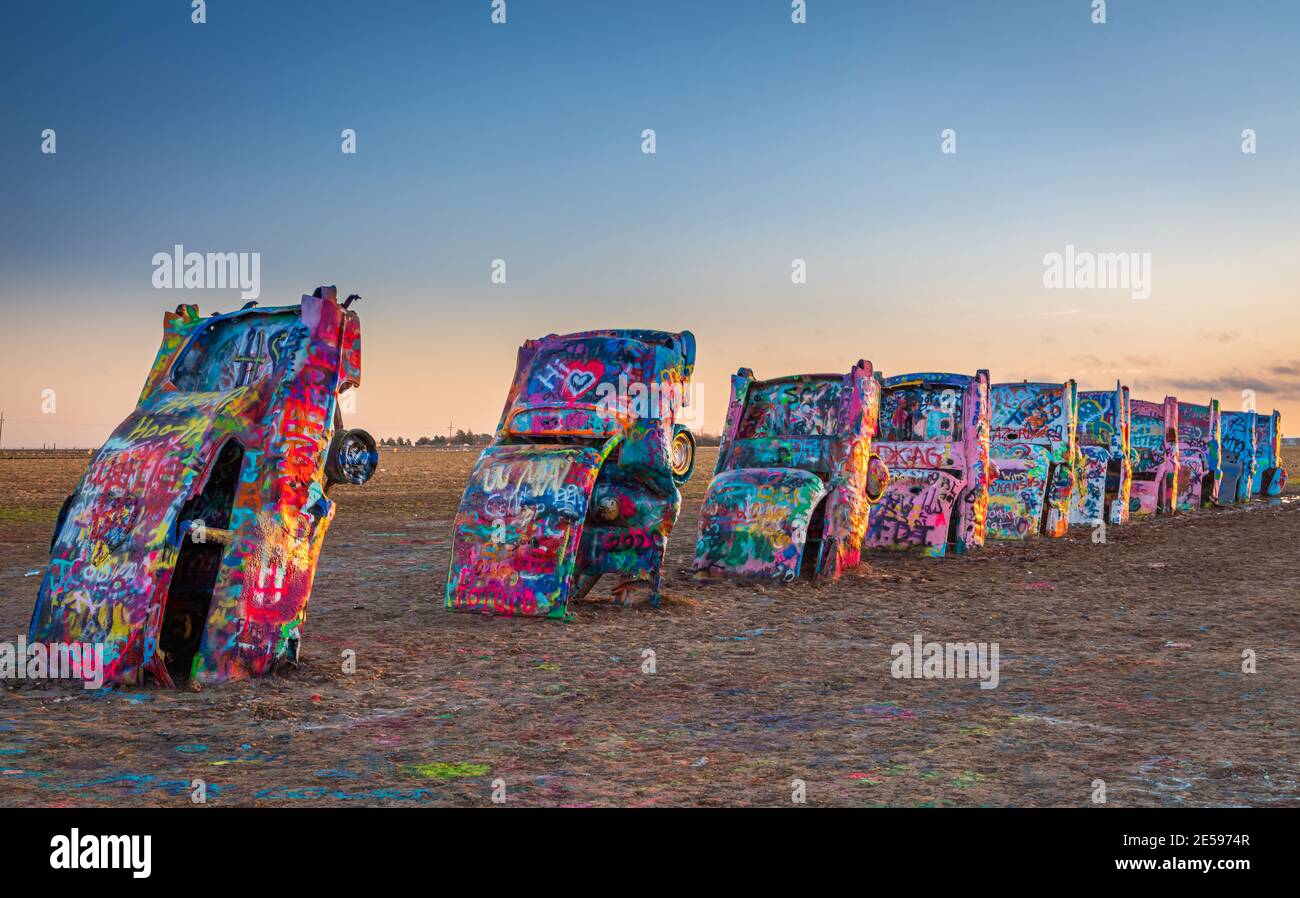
column 1119, row 662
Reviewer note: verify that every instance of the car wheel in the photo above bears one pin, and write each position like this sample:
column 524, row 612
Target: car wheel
column 353, row 457
column 877, row 478
column 682, row 454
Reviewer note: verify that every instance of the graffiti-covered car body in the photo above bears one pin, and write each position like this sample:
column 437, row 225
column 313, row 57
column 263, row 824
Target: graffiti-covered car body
column 1035, row 458
column 1102, row 494
column 581, row 477
column 190, row 544
column 1237, row 432
column 795, row 477
column 1153, row 449
column 1270, row 477
column 933, row 434
column 1199, row 455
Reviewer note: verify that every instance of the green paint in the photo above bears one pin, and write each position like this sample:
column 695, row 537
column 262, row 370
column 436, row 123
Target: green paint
column 27, row 514
column 442, row 770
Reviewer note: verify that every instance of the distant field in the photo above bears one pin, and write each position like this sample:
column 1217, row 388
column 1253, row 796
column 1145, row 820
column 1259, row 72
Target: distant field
column 1119, row 662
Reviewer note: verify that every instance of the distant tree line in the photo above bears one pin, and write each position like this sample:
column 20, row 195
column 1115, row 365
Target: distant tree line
column 469, row 438
column 459, row 438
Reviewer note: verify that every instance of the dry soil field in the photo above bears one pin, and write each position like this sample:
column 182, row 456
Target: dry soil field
column 1120, row 662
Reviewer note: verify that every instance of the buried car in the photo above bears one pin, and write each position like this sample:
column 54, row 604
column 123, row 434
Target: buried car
column 582, row 476
column 1035, row 458
column 1153, row 450
column 933, row 434
column 189, row 546
column 1270, row 477
column 1199, row 450
column 1237, row 432
column 1102, row 494
column 795, row 477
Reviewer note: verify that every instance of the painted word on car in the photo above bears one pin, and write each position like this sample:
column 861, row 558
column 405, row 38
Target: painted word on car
column 933, row 435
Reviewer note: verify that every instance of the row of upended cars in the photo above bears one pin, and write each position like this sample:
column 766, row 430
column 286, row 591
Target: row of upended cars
column 189, row 547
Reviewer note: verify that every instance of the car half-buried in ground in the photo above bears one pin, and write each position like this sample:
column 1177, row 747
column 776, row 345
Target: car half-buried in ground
column 1035, row 458
column 1153, row 441
column 189, row 546
column 1102, row 494
column 582, row 476
column 934, row 437
column 1270, row 477
column 795, row 477
column 1200, row 447
column 1237, row 431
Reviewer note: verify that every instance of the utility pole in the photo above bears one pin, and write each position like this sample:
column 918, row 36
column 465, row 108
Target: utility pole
column 2, row 428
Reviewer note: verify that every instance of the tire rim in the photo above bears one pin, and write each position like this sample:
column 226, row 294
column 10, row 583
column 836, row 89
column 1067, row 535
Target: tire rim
column 681, row 454
column 357, row 460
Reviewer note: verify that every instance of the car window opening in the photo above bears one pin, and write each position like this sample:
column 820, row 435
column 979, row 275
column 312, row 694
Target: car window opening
column 189, row 597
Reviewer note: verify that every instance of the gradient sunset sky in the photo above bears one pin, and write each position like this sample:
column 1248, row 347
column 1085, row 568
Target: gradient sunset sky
column 775, row 141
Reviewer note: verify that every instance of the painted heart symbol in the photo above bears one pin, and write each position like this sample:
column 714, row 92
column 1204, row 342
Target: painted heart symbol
column 582, row 376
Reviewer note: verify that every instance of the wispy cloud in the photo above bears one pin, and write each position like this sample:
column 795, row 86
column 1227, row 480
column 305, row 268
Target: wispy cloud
column 1138, row 361
column 1284, row 382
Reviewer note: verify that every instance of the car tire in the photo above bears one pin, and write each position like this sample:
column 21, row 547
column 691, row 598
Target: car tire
column 877, row 479
column 681, row 454
column 352, row 457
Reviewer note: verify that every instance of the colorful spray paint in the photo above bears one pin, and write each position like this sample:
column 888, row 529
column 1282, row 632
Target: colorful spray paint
column 1237, row 430
column 1102, row 493
column 1035, row 458
column 1270, row 477
column 189, row 546
column 1153, row 441
column 581, row 478
column 1200, row 448
column 933, row 434
column 795, row 477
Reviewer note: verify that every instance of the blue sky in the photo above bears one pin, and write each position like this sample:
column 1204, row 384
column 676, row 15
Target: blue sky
column 775, row 141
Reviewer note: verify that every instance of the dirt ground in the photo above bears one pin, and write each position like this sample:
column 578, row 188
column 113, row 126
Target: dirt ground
column 1119, row 662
